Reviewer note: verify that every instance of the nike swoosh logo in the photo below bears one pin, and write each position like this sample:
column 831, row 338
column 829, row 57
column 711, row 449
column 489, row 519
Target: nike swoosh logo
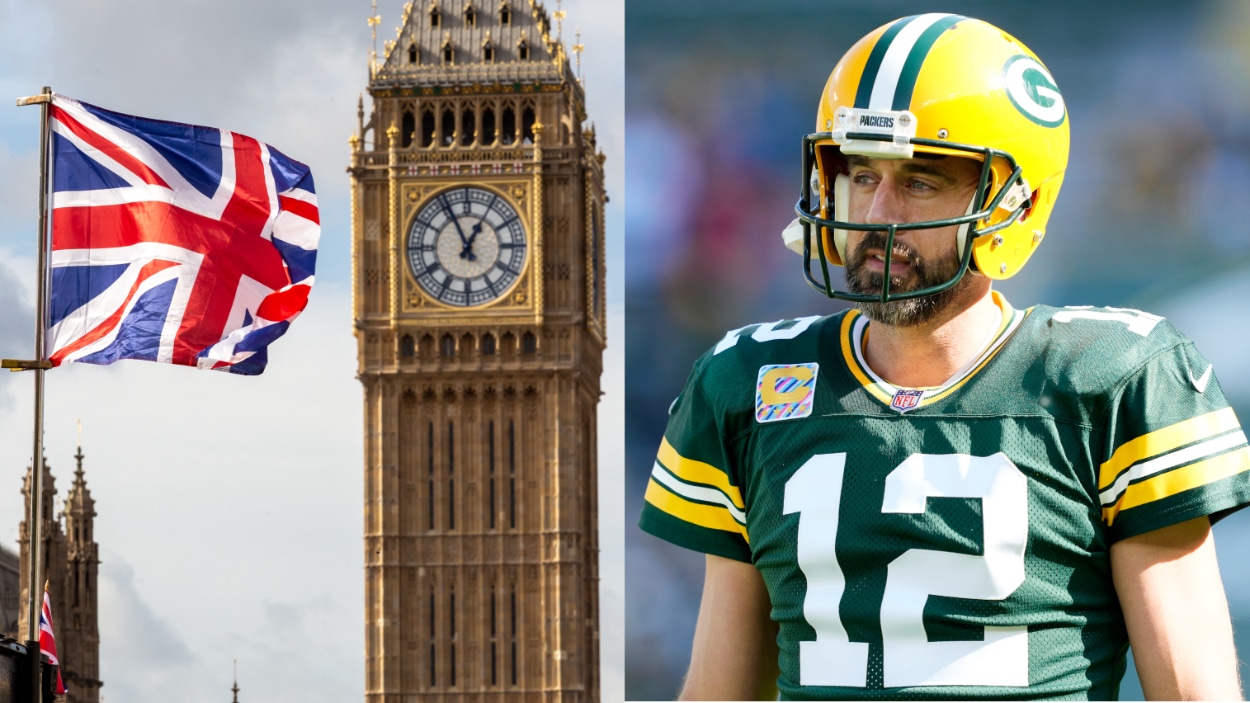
column 1201, row 382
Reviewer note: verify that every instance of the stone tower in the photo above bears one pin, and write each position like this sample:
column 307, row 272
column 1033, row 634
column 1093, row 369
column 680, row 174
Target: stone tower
column 70, row 566
column 477, row 252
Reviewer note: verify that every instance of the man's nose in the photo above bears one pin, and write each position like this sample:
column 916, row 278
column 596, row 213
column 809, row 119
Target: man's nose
column 887, row 203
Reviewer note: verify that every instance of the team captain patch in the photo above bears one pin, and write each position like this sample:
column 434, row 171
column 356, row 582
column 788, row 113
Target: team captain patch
column 785, row 391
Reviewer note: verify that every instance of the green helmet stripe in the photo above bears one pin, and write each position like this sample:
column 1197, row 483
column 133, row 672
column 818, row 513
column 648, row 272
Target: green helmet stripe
column 866, row 80
column 915, row 59
column 889, row 76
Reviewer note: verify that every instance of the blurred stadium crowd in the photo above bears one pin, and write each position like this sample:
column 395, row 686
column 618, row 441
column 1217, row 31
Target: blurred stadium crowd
column 718, row 96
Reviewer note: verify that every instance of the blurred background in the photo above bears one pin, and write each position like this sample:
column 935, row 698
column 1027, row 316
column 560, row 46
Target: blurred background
column 1152, row 214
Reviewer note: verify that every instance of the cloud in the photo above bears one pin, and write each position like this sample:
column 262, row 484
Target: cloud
column 17, row 328
column 134, row 637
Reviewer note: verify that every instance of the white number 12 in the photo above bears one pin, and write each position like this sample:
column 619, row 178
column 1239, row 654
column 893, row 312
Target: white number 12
column 910, row 659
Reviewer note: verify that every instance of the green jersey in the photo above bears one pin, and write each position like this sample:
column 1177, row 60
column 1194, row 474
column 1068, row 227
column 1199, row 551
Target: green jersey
column 947, row 542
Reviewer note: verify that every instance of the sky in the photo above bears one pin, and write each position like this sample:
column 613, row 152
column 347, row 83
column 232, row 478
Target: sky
column 230, row 508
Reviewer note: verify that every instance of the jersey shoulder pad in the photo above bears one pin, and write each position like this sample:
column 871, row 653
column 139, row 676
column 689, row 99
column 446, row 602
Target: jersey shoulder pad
column 1098, row 347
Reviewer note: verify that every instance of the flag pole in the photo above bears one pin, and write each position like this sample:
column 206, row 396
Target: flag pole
column 39, row 365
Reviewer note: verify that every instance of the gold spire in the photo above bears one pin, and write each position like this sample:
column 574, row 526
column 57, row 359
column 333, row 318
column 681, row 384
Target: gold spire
column 559, row 15
column 577, row 49
column 235, row 688
column 374, row 20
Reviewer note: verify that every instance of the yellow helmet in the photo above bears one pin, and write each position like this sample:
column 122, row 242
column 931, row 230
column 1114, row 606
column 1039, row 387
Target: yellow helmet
column 947, row 85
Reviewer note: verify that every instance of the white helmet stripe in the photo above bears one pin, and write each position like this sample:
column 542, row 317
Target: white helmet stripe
column 892, row 65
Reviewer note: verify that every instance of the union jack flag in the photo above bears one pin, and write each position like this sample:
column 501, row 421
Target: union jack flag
column 47, row 641
column 173, row 243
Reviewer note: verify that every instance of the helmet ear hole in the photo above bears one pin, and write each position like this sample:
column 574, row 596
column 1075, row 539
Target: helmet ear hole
column 1028, row 208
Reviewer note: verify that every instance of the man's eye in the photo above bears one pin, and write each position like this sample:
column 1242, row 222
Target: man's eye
column 861, row 178
column 920, row 185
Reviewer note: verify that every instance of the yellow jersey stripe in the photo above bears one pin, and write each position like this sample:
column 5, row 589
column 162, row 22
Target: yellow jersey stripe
column 1180, row 480
column 692, row 471
column 710, row 516
column 702, row 494
column 1165, row 440
column 1171, row 460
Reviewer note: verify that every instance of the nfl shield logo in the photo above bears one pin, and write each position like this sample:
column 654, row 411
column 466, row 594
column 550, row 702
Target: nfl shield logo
column 906, row 399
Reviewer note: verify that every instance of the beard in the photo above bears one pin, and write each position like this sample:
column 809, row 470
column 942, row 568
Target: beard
column 923, row 274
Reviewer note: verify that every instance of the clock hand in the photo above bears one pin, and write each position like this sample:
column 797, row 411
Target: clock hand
column 455, row 221
column 468, row 246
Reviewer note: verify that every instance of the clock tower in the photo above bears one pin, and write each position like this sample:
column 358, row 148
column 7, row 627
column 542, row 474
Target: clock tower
column 478, row 295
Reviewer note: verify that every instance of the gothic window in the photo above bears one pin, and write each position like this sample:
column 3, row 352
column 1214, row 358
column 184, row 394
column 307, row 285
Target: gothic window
column 509, row 127
column 449, row 54
column 449, row 127
column 427, row 128
column 490, row 447
column 494, row 660
column 433, row 679
column 435, row 16
column 513, row 609
column 488, row 53
column 508, row 344
column 488, row 127
column 488, row 345
column 413, row 54
column 529, row 343
column 505, row 14
column 407, row 348
column 430, row 448
column 523, row 50
column 466, row 346
column 470, row 16
column 451, row 482
column 490, row 454
column 408, row 129
column 467, row 130
column 451, row 614
column 430, row 481
column 448, row 346
column 512, row 476
column 527, row 126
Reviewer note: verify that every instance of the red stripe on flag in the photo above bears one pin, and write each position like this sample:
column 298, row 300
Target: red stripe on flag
column 308, row 211
column 283, row 305
column 110, row 149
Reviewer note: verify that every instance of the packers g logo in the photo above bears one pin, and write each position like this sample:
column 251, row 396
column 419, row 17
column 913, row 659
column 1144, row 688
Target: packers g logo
column 1032, row 90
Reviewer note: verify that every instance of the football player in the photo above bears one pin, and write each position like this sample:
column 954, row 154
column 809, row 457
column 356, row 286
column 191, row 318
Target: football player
column 937, row 494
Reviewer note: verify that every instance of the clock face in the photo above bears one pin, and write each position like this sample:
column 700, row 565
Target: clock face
column 466, row 246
